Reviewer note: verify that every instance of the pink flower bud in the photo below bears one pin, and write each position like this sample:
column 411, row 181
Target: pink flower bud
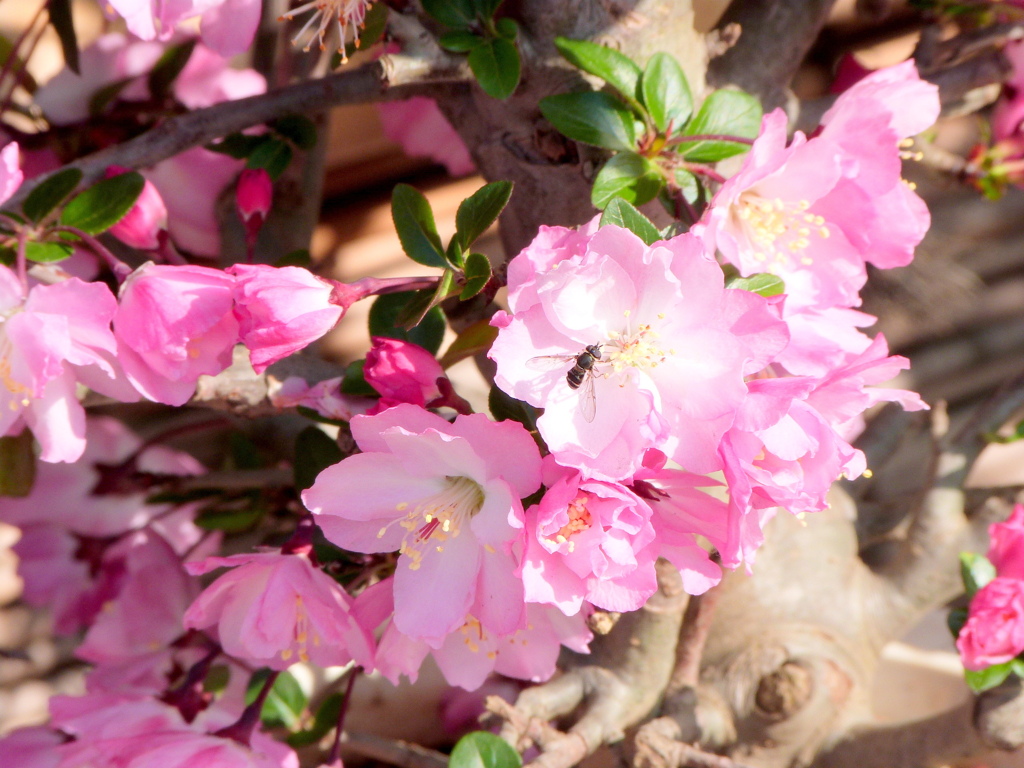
column 142, row 226
column 402, row 372
column 994, row 632
column 253, row 196
column 1007, row 548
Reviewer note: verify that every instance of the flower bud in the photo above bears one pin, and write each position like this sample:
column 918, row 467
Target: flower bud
column 142, row 226
column 253, row 197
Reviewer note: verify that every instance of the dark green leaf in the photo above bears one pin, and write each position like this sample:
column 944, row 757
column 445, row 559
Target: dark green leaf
column 50, row 193
column 17, row 464
column 496, row 66
column 976, row 570
column 724, row 112
column 168, row 67
column 622, row 214
column 487, row 8
column 326, row 718
column 987, row 678
column 103, row 204
column 386, row 310
column 229, row 520
column 507, row 28
column 629, row 176
column 452, row 13
column 284, row 705
column 473, row 340
column 102, row 97
column 455, row 253
column 478, row 272
column 242, row 453
column 481, row 209
column 297, row 258
column 591, row 118
column 47, row 253
column 616, row 69
column 666, row 92
column 414, row 222
column 504, row 407
column 273, row 156
column 60, row 18
column 298, row 129
column 481, row 749
column 240, row 145
column 460, row 41
column 354, row 382
column 762, row 283
column 956, row 620
column 217, row 678
column 425, row 301
column 314, row 452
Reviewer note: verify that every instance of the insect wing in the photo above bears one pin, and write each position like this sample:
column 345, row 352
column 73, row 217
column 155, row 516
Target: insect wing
column 588, row 398
column 549, row 362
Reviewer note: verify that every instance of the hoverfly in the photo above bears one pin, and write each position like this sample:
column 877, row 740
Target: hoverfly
column 580, row 376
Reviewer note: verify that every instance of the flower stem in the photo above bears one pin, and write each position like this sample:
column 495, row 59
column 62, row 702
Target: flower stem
column 333, row 757
column 118, row 267
column 241, row 730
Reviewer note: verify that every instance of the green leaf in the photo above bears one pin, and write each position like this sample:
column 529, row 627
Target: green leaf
column 688, row 183
column 622, row 214
column 273, row 156
column 242, row 453
column 990, row 677
column 298, row 129
column 298, row 258
column 666, row 92
column 956, row 620
column 230, row 520
column 102, row 97
column 414, row 223
column 762, row 283
column 384, row 314
column 50, row 193
column 168, row 67
column 732, row 113
column 629, row 176
column 477, row 272
column 217, row 678
column 504, row 407
column 103, row 204
column 460, row 41
column 487, row 8
column 60, row 18
column 286, row 702
column 424, row 301
column 314, row 452
column 326, row 718
column 47, row 253
column 507, row 28
column 616, row 69
column 239, row 145
column 496, row 66
column 591, row 118
column 452, row 13
column 17, row 464
column 473, row 340
column 1017, row 666
column 976, row 571
column 481, row 749
column 481, row 209
column 354, row 382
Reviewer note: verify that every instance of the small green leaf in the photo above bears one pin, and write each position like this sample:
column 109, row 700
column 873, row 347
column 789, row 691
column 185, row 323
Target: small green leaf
column 507, row 28
column 976, row 571
column 326, row 718
column 354, row 382
column 688, row 183
column 477, row 272
column 496, row 66
column 455, row 254
column 956, row 620
column 168, row 67
column 425, row 301
column 591, row 118
column 666, row 92
column 504, row 407
column 229, row 520
column 414, row 223
column 473, row 340
column 990, row 677
column 1017, row 666
column 285, row 704
column 460, row 41
column 61, row 20
column 273, row 156
column 384, row 314
column 487, row 8
column 240, row 145
column 616, row 69
column 17, row 464
column 452, row 13
column 298, row 129
column 622, row 214
column 629, row 176
column 314, row 452
column 103, row 204
column 481, row 749
column 726, row 112
column 47, row 253
column 50, row 193
column 481, row 209
column 762, row 283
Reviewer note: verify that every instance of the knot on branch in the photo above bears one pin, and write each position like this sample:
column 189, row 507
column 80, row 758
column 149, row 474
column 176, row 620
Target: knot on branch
column 784, row 692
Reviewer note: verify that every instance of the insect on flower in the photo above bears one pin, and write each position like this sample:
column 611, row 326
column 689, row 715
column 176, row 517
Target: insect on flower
column 580, row 376
column 343, row 12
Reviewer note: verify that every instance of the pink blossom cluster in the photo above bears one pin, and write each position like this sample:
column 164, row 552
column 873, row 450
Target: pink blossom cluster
column 994, row 632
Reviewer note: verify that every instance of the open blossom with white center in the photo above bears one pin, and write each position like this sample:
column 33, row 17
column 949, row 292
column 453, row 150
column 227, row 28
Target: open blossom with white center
column 446, row 496
column 344, row 13
column 671, row 368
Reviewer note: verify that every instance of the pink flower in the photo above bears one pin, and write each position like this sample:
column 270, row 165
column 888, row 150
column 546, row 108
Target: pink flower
column 173, row 325
column 281, row 310
column 1009, row 110
column 143, row 226
column 994, row 632
column 11, row 175
column 34, row 747
column 324, row 397
column 1006, row 550
column 327, row 14
column 447, row 497
column 227, row 26
column 588, row 540
column 671, row 368
column 402, row 372
column 275, row 609
column 209, row 79
column 423, row 131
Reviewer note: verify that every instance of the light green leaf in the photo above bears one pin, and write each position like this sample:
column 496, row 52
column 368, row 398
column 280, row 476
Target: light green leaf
column 496, row 66
column 616, row 69
column 622, row 214
column 725, row 112
column 483, row 750
column 629, row 176
column 591, row 118
column 666, row 92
